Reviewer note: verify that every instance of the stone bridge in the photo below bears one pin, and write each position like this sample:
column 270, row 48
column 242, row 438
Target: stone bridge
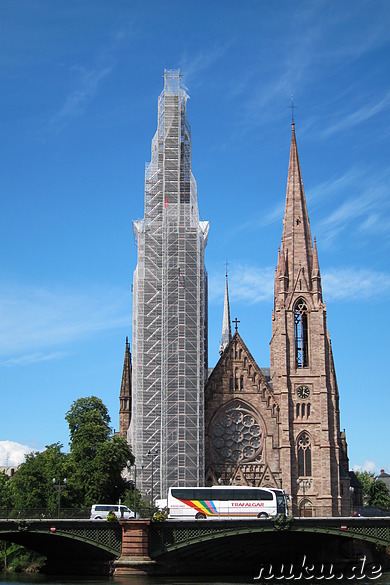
column 196, row 546
column 239, row 545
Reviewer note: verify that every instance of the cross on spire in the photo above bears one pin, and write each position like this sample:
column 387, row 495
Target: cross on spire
column 236, row 322
column 292, row 109
column 227, row 267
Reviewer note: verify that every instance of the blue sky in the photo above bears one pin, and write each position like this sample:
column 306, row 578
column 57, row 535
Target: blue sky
column 78, row 105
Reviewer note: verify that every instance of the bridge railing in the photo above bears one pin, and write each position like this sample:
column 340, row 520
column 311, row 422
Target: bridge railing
column 43, row 513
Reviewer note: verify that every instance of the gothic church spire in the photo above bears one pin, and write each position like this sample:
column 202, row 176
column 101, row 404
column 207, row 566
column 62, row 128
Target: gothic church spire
column 125, row 394
column 296, row 239
column 226, row 323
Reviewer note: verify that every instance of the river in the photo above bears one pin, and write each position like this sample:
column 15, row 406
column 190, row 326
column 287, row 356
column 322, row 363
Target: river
column 37, row 579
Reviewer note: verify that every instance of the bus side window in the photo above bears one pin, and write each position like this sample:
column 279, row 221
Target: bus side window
column 263, row 495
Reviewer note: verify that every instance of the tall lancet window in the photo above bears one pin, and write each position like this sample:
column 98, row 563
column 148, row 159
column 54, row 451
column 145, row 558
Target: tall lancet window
column 304, row 455
column 301, row 334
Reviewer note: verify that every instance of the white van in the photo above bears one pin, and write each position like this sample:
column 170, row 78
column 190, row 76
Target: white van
column 100, row 511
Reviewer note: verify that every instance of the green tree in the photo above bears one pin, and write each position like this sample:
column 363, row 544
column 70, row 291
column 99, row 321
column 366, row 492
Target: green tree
column 32, row 484
column 379, row 495
column 89, row 426
column 97, row 457
column 93, row 468
column 6, row 500
column 366, row 479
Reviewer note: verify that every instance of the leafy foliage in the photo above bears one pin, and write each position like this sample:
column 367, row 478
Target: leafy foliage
column 379, row 495
column 16, row 558
column 89, row 427
column 5, row 491
column 93, row 468
column 366, row 478
column 97, row 458
column 32, row 485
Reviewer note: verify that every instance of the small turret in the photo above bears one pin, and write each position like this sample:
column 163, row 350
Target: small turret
column 316, row 276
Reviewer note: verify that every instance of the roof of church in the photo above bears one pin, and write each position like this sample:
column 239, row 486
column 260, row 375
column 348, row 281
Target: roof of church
column 265, row 372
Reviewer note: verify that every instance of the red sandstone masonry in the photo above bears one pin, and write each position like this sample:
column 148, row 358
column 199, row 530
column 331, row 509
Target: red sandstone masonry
column 135, row 548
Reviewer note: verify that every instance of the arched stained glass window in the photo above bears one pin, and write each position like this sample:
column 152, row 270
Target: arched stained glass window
column 301, row 334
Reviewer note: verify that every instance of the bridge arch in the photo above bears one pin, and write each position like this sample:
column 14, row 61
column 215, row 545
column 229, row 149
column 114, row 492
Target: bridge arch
column 240, row 544
column 58, row 538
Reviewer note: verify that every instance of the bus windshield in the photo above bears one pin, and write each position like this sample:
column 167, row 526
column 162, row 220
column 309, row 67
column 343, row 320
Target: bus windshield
column 226, row 502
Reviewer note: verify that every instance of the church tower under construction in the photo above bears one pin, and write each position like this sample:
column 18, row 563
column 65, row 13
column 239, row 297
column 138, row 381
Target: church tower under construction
column 169, row 310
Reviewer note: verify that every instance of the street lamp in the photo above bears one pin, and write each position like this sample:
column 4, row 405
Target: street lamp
column 351, row 493
column 152, row 454
column 59, row 487
column 135, row 486
column 304, row 483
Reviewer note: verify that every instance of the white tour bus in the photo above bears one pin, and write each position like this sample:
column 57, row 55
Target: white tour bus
column 226, row 502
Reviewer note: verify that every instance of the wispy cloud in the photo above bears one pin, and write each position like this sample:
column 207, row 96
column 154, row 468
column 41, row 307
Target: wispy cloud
column 272, row 81
column 358, row 201
column 274, row 215
column 13, row 454
column 254, row 284
column 33, row 321
column 365, row 213
column 354, row 180
column 335, row 185
column 86, row 80
column 369, row 466
column 297, row 63
column 354, row 284
column 33, row 358
column 193, row 67
column 85, row 87
column 358, row 116
column 247, row 284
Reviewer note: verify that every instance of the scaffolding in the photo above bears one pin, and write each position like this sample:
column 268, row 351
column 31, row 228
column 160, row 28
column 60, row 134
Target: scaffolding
column 169, row 310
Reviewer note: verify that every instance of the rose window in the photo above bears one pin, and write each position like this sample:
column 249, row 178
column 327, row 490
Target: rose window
column 237, row 434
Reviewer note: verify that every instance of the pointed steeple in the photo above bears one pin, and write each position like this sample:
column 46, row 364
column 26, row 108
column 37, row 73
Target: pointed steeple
column 281, row 278
column 316, row 266
column 125, row 393
column 316, row 275
column 296, row 239
column 226, row 323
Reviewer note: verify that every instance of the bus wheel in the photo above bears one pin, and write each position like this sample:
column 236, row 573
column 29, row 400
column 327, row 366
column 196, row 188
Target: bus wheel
column 200, row 516
column 262, row 515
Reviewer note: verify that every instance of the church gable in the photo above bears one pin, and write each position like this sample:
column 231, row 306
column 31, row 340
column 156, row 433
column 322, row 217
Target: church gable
column 237, row 371
column 301, row 284
column 241, row 417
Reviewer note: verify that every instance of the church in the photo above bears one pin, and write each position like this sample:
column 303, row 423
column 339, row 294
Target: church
column 281, row 428
column 278, row 426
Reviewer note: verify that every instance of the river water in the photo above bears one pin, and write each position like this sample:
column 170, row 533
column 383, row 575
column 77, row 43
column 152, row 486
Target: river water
column 36, row 579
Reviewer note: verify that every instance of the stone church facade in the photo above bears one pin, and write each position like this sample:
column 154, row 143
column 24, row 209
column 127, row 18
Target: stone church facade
column 283, row 430
column 278, row 427
column 241, row 422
